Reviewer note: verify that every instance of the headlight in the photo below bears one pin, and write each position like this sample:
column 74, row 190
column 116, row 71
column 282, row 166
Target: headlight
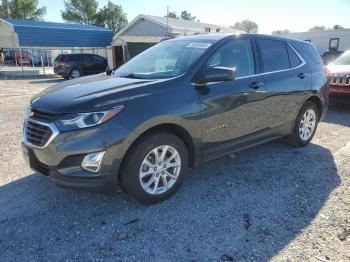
column 83, row 120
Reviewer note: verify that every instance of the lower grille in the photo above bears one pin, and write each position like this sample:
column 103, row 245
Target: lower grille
column 38, row 134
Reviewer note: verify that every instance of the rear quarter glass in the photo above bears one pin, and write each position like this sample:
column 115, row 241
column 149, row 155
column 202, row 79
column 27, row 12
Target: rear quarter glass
column 60, row 58
column 308, row 52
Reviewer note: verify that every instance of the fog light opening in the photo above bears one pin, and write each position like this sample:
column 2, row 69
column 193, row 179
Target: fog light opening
column 92, row 162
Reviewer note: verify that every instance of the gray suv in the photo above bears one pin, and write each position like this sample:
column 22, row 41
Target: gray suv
column 180, row 103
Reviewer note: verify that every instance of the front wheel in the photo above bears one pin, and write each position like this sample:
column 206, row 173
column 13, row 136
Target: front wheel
column 154, row 168
column 305, row 125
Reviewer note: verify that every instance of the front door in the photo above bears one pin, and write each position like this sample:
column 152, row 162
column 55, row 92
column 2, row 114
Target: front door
column 232, row 109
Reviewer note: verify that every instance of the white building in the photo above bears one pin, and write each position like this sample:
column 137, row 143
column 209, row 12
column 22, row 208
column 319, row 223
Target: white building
column 337, row 40
column 146, row 30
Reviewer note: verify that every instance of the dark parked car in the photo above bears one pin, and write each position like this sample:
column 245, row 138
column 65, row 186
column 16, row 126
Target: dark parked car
column 180, row 103
column 76, row 65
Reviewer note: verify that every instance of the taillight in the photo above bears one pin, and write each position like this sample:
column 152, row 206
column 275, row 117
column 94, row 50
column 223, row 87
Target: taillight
column 61, row 63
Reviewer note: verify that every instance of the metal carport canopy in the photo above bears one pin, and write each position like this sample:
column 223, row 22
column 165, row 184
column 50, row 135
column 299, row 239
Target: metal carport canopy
column 28, row 33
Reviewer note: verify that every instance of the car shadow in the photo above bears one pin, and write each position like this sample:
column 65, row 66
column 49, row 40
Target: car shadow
column 338, row 114
column 248, row 207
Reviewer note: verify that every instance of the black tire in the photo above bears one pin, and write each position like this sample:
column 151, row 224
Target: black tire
column 73, row 73
column 129, row 176
column 294, row 139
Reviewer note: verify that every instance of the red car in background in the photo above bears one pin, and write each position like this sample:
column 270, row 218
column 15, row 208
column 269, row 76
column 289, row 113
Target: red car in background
column 339, row 75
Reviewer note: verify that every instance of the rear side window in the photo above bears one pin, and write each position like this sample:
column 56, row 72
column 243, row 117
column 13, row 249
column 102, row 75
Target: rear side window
column 308, row 52
column 293, row 57
column 235, row 54
column 87, row 58
column 60, row 58
column 72, row 58
column 274, row 55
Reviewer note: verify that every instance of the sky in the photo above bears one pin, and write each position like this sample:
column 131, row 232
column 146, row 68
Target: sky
column 295, row 15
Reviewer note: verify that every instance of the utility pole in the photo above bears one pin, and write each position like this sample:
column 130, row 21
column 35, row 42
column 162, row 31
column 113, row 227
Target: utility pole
column 167, row 20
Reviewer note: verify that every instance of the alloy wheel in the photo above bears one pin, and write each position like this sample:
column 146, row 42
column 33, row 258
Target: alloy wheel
column 160, row 169
column 75, row 73
column 307, row 125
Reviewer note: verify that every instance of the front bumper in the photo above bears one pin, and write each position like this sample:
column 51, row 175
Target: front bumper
column 61, row 160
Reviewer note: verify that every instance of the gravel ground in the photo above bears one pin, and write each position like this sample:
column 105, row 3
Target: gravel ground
column 271, row 202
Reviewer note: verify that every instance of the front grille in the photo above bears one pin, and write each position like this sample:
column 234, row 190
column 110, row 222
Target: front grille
column 43, row 115
column 340, row 80
column 37, row 134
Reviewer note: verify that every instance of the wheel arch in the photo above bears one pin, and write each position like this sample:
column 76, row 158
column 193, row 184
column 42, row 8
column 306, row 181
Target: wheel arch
column 172, row 128
column 318, row 102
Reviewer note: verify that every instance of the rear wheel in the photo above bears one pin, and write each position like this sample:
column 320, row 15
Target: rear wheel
column 154, row 168
column 305, row 125
column 74, row 73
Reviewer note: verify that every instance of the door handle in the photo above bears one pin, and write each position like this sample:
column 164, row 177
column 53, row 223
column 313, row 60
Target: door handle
column 302, row 75
column 256, row 85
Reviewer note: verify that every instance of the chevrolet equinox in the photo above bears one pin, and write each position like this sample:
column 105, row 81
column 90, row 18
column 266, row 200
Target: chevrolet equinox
column 177, row 104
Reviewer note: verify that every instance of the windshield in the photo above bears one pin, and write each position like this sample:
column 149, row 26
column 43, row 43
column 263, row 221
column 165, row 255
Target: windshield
column 344, row 59
column 165, row 60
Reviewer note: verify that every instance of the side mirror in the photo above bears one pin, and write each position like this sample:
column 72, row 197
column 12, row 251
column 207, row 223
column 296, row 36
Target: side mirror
column 218, row 74
column 109, row 71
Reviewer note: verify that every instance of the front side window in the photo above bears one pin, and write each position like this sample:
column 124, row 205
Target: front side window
column 274, row 55
column 99, row 59
column 167, row 59
column 236, row 54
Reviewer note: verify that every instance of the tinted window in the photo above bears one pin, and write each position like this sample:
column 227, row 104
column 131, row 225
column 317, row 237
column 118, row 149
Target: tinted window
column 99, row 59
column 308, row 52
column 72, row 58
column 60, row 58
column 274, row 55
column 87, row 58
column 237, row 54
column 293, row 57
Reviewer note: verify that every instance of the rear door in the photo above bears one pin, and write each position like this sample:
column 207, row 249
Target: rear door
column 234, row 108
column 287, row 80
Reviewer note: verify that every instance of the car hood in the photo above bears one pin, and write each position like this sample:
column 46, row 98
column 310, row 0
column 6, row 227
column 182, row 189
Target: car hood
column 91, row 93
column 338, row 69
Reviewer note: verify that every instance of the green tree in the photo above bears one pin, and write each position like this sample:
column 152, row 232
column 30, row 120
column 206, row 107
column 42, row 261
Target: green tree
column 246, row 26
column 80, row 11
column 111, row 16
column 187, row 16
column 172, row 14
column 336, row 27
column 5, row 9
column 317, row 28
column 279, row 32
column 23, row 9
